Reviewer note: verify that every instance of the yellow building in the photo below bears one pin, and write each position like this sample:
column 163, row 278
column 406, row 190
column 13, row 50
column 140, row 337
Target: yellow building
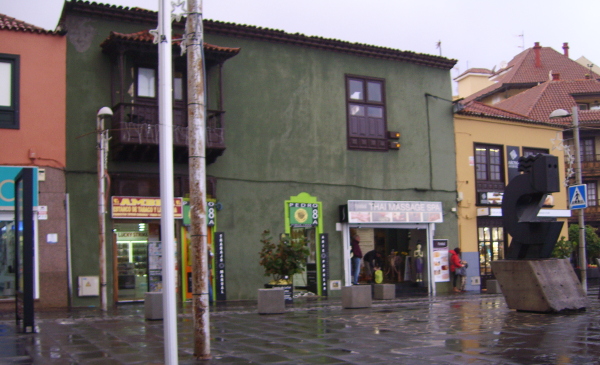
column 489, row 142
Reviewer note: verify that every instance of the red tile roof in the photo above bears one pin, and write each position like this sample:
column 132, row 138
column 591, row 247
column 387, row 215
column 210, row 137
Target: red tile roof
column 538, row 102
column 144, row 37
column 137, row 15
column 479, row 109
column 9, row 23
column 523, row 71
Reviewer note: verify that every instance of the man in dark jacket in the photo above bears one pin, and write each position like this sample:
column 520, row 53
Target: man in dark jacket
column 356, row 257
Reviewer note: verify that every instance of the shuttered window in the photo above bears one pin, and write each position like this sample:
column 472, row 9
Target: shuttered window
column 365, row 98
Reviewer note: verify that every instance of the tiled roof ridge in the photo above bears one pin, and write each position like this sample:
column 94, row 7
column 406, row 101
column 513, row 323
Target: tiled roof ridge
column 254, row 32
column 479, row 109
column 477, row 70
column 146, row 36
column 10, row 23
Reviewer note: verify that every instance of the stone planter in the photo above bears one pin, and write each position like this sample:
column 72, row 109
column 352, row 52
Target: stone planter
column 288, row 291
column 271, row 301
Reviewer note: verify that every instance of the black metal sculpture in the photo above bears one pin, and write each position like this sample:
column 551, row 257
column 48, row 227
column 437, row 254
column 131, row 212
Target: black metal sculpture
column 533, row 237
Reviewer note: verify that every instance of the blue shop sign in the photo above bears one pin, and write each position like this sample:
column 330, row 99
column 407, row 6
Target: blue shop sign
column 7, row 185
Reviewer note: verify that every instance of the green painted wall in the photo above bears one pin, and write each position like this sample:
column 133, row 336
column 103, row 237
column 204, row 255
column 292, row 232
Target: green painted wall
column 285, row 134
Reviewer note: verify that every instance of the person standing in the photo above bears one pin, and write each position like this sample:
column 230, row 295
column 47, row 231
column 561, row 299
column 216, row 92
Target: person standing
column 455, row 263
column 356, row 258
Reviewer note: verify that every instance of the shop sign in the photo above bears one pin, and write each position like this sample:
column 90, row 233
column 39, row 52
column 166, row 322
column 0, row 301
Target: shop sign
column 372, row 211
column 512, row 161
column 304, row 214
column 211, row 214
column 440, row 261
column 324, row 263
column 132, row 234
column 7, row 185
column 139, row 207
column 491, row 197
column 220, row 266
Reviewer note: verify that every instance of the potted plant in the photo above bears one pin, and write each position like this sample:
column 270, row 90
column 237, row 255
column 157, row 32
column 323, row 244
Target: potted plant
column 282, row 259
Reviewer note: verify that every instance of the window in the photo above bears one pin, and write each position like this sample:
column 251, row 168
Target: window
column 9, row 91
column 527, row 151
column 489, row 174
column 587, row 150
column 146, row 82
column 488, row 163
column 491, row 244
column 592, row 193
column 365, row 99
column 177, row 86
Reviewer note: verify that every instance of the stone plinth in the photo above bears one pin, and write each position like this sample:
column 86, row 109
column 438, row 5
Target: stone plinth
column 271, row 301
column 493, row 287
column 384, row 291
column 153, row 305
column 356, row 296
column 544, row 285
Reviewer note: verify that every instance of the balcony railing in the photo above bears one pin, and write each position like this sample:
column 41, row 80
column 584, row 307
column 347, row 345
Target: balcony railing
column 138, row 124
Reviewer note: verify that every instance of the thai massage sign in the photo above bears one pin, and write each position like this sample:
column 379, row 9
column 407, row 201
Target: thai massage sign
column 139, row 207
column 304, row 214
column 372, row 211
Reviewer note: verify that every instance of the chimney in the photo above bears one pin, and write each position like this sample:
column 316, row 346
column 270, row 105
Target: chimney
column 566, row 49
column 555, row 77
column 538, row 57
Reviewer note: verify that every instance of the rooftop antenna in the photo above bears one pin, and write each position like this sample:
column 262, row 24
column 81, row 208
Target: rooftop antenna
column 522, row 35
column 591, row 66
column 438, row 45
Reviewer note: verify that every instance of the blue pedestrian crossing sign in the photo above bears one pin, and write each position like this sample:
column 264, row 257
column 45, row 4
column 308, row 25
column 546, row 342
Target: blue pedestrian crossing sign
column 578, row 196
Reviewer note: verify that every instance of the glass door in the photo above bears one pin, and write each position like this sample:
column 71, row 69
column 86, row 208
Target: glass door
column 7, row 258
column 132, row 261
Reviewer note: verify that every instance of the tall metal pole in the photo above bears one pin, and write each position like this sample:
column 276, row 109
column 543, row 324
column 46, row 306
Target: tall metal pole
column 165, row 119
column 582, row 258
column 101, row 138
column 197, row 166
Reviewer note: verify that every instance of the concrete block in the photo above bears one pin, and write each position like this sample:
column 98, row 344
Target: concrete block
column 356, row 296
column 271, row 301
column 493, row 287
column 544, row 285
column 153, row 305
column 384, row 291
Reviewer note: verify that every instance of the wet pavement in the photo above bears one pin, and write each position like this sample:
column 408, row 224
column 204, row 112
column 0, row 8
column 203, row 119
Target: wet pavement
column 447, row 329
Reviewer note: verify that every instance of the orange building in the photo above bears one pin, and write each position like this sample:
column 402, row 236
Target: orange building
column 32, row 131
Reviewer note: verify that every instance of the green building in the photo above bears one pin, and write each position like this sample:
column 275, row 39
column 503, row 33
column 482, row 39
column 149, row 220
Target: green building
column 313, row 137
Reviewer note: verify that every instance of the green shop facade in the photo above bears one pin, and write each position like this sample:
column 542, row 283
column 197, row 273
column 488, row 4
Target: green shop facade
column 297, row 126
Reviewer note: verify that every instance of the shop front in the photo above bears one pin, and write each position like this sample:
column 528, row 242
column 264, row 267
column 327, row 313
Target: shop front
column 137, row 245
column 8, row 231
column 396, row 237
column 303, row 222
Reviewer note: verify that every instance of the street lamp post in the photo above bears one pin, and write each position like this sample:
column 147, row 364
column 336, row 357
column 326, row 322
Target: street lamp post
column 560, row 113
column 102, row 139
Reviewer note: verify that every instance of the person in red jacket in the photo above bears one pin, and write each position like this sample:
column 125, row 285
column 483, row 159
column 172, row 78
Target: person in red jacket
column 455, row 262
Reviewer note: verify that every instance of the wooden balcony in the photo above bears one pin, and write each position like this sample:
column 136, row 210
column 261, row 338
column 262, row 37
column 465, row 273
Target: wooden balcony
column 135, row 134
column 590, row 166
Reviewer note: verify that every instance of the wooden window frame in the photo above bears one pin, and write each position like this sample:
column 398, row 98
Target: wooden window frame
column 487, row 184
column 377, row 128
column 9, row 115
column 592, row 193
column 588, row 149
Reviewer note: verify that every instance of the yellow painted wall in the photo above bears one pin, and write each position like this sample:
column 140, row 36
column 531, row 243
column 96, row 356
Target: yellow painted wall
column 471, row 84
column 470, row 130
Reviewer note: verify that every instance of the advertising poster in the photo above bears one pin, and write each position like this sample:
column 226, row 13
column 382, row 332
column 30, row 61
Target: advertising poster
column 441, row 261
column 154, row 267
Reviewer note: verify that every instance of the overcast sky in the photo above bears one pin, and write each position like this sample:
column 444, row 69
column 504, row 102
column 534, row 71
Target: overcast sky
column 477, row 33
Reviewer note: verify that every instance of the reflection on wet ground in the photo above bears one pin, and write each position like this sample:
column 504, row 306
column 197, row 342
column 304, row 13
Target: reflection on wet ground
column 454, row 329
